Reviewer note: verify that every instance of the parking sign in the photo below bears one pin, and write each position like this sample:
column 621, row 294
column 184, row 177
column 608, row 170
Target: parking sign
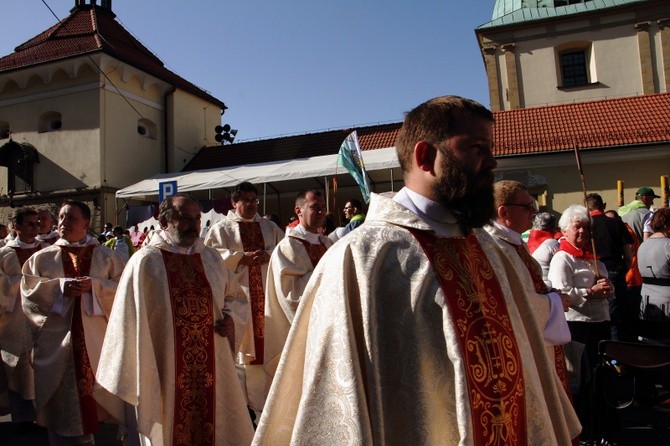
column 166, row 189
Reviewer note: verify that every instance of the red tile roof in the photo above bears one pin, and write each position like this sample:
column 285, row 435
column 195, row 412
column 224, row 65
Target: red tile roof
column 598, row 124
column 91, row 29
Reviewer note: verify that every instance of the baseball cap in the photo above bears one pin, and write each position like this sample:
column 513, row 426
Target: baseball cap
column 646, row 191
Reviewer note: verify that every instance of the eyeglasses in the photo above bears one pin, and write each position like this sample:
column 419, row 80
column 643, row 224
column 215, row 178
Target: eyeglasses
column 346, row 208
column 249, row 200
column 528, row 207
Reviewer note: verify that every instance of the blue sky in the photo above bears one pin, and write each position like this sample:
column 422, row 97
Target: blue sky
column 299, row 66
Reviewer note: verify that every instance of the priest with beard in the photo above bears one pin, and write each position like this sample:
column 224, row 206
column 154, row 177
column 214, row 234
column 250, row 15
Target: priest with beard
column 167, row 368
column 415, row 329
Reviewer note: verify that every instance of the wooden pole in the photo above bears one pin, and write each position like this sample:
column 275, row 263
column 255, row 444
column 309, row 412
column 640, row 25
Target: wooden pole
column 583, row 178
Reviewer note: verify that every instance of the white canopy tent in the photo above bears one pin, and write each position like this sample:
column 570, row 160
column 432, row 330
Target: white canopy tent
column 261, row 173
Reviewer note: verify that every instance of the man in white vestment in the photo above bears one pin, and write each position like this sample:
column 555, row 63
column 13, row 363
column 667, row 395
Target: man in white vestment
column 415, row 328
column 67, row 291
column 515, row 209
column 245, row 240
column 168, row 354
column 291, row 266
column 15, row 335
column 46, row 234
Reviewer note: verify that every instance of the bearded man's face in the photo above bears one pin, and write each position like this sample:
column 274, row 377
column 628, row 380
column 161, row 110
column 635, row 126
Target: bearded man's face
column 464, row 174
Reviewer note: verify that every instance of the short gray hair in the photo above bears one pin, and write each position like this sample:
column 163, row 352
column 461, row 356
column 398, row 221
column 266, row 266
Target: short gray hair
column 544, row 221
column 576, row 212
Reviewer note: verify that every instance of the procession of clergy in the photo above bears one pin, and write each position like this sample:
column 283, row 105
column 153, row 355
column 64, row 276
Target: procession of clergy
column 418, row 327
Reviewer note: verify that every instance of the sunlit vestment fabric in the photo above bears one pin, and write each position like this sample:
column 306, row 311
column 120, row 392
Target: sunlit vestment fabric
column 15, row 334
column 138, row 355
column 373, row 356
column 289, row 271
column 51, row 314
column 225, row 236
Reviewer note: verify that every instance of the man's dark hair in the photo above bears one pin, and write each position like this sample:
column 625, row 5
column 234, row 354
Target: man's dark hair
column 300, row 199
column 595, row 202
column 166, row 208
column 118, row 230
column 83, row 208
column 241, row 188
column 22, row 212
column 435, row 121
column 358, row 204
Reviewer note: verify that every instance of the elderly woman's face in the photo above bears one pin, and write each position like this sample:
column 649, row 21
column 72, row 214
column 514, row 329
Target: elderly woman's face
column 577, row 233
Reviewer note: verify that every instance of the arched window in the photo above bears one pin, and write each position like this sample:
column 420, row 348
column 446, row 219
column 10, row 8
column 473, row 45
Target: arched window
column 146, row 128
column 49, row 122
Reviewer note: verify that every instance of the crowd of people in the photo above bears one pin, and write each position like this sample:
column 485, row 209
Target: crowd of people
column 425, row 320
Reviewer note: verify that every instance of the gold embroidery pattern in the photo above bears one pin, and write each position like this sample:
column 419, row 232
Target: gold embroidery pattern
column 252, row 240
column 492, row 359
column 191, row 298
column 76, row 263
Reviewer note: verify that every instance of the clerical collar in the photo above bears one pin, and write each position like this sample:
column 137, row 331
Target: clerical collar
column 439, row 218
column 23, row 245
column 83, row 242
column 512, row 235
column 248, row 220
column 303, row 233
column 47, row 236
column 173, row 247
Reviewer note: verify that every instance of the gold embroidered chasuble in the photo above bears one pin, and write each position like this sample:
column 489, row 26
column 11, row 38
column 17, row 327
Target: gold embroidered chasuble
column 252, row 240
column 161, row 356
column 195, row 379
column 227, row 238
column 493, row 368
column 77, row 263
column 373, row 355
column 531, row 272
column 51, row 316
column 290, row 268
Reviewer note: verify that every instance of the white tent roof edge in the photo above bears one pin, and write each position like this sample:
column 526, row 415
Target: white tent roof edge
column 316, row 166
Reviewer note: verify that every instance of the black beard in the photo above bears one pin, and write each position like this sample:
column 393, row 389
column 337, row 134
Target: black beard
column 467, row 194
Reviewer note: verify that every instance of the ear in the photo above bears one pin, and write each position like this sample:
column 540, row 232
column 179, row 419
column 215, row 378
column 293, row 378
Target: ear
column 501, row 212
column 424, row 156
column 298, row 211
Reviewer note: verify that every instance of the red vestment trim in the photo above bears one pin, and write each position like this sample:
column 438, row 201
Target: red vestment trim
column 492, row 361
column 24, row 253
column 77, row 263
column 193, row 321
column 315, row 252
column 252, row 240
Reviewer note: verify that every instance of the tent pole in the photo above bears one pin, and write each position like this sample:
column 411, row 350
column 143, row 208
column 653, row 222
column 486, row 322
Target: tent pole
column 327, row 194
column 265, row 196
column 392, row 187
